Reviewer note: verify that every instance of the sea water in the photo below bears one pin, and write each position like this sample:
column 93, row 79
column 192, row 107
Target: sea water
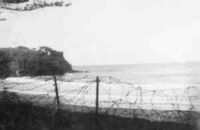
column 177, row 83
column 146, row 74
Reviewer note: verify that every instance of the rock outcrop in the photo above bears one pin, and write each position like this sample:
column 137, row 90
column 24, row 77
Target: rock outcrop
column 34, row 62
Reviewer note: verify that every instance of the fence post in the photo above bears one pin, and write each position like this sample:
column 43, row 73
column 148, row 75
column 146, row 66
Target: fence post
column 56, row 90
column 97, row 101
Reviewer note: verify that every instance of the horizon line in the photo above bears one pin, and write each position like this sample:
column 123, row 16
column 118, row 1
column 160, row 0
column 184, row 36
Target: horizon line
column 121, row 64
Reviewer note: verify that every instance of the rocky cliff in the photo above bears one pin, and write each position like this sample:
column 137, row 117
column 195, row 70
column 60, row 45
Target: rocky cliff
column 34, row 62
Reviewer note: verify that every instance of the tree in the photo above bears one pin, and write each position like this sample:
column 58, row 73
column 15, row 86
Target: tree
column 14, row 1
column 44, row 61
column 4, row 65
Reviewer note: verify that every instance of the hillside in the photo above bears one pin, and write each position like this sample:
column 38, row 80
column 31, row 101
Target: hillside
column 33, row 62
column 27, row 5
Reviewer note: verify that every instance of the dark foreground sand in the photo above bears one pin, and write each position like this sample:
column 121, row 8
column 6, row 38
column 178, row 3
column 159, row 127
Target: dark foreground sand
column 16, row 113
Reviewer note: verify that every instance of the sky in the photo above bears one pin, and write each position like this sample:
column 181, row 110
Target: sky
column 97, row 32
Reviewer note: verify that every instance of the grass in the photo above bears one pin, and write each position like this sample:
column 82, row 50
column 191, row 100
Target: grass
column 16, row 114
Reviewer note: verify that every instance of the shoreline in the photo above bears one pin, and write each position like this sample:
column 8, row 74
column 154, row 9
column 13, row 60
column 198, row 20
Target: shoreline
column 178, row 116
column 80, row 90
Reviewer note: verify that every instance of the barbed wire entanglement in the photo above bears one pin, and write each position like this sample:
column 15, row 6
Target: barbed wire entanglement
column 77, row 93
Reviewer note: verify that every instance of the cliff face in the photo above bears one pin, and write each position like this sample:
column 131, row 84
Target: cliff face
column 34, row 62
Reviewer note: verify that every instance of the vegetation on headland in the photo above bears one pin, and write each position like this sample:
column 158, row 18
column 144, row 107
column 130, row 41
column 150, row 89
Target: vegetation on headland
column 32, row 62
column 28, row 5
column 4, row 65
column 20, row 115
column 14, row 1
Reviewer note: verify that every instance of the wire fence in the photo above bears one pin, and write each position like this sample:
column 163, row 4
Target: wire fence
column 114, row 97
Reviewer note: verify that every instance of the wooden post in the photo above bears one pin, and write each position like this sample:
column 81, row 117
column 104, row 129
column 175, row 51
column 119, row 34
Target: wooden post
column 97, row 101
column 57, row 94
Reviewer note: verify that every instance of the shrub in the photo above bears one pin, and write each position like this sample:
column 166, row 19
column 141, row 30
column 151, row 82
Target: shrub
column 14, row 1
column 4, row 65
column 45, row 61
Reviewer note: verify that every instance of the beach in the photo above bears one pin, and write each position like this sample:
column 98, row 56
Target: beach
column 79, row 89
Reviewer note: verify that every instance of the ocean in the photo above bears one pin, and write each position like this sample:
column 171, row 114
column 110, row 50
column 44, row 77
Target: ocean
column 146, row 74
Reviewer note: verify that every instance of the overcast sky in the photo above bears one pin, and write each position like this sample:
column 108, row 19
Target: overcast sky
column 110, row 31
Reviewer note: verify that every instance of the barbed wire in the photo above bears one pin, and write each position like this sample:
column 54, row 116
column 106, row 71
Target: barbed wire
column 116, row 97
